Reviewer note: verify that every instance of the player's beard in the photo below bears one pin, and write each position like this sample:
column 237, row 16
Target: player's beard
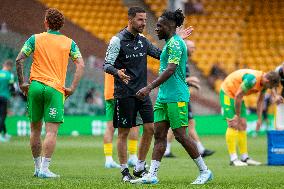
column 139, row 29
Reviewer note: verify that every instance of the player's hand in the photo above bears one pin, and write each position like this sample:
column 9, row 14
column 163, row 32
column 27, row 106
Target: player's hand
column 258, row 124
column 184, row 33
column 234, row 122
column 142, row 93
column 278, row 99
column 121, row 74
column 25, row 88
column 68, row 91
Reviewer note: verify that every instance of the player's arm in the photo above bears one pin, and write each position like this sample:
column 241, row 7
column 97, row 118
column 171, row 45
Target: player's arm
column 153, row 51
column 259, row 108
column 175, row 53
column 111, row 56
column 248, row 82
column 169, row 71
column 25, row 52
column 238, row 101
column 165, row 75
column 76, row 57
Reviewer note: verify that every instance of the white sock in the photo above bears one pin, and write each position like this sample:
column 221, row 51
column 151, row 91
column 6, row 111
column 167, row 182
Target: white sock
column 123, row 166
column 154, row 168
column 37, row 162
column 244, row 156
column 140, row 165
column 200, row 164
column 45, row 163
column 109, row 159
column 133, row 156
column 200, row 147
column 168, row 149
column 233, row 157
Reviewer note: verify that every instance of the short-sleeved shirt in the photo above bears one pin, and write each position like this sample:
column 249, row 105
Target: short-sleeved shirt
column 175, row 89
column 50, row 59
column 6, row 79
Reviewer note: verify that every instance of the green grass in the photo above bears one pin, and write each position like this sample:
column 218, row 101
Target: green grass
column 80, row 162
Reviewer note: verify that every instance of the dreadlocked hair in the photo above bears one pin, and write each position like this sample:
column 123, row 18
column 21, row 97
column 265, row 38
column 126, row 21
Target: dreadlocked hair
column 176, row 16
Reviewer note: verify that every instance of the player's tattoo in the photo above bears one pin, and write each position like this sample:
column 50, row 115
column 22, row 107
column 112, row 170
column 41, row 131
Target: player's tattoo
column 20, row 67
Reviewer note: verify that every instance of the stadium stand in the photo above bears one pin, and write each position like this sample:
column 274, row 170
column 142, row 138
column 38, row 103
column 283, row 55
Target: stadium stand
column 98, row 18
column 240, row 33
column 157, row 6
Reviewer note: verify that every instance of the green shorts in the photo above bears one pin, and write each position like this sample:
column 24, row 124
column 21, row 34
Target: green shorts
column 175, row 113
column 45, row 102
column 228, row 106
column 109, row 109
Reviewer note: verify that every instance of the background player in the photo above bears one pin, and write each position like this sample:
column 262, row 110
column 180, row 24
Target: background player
column 238, row 84
column 6, row 87
column 170, row 110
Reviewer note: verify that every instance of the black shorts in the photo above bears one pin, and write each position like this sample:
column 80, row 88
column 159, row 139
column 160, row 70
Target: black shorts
column 190, row 114
column 125, row 111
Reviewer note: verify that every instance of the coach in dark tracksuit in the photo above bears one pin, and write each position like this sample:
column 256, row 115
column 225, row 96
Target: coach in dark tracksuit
column 126, row 60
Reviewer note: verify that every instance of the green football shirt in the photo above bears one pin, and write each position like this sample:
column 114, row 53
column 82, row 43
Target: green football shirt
column 6, row 78
column 175, row 88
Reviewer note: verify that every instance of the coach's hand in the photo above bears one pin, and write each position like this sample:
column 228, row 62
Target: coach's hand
column 184, row 33
column 142, row 93
column 25, row 88
column 121, row 74
column 69, row 91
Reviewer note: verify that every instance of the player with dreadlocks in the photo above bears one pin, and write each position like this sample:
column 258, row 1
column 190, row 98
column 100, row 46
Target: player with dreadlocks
column 170, row 110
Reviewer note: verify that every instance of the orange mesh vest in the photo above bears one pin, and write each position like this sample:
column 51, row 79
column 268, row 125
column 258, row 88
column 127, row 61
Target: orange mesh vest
column 109, row 86
column 233, row 82
column 50, row 60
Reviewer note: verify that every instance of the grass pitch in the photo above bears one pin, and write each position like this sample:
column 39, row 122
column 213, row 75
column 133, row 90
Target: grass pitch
column 80, row 162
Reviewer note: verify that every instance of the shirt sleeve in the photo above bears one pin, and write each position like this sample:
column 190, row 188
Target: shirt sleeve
column 75, row 51
column 29, row 46
column 111, row 55
column 174, row 52
column 249, row 81
column 152, row 50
